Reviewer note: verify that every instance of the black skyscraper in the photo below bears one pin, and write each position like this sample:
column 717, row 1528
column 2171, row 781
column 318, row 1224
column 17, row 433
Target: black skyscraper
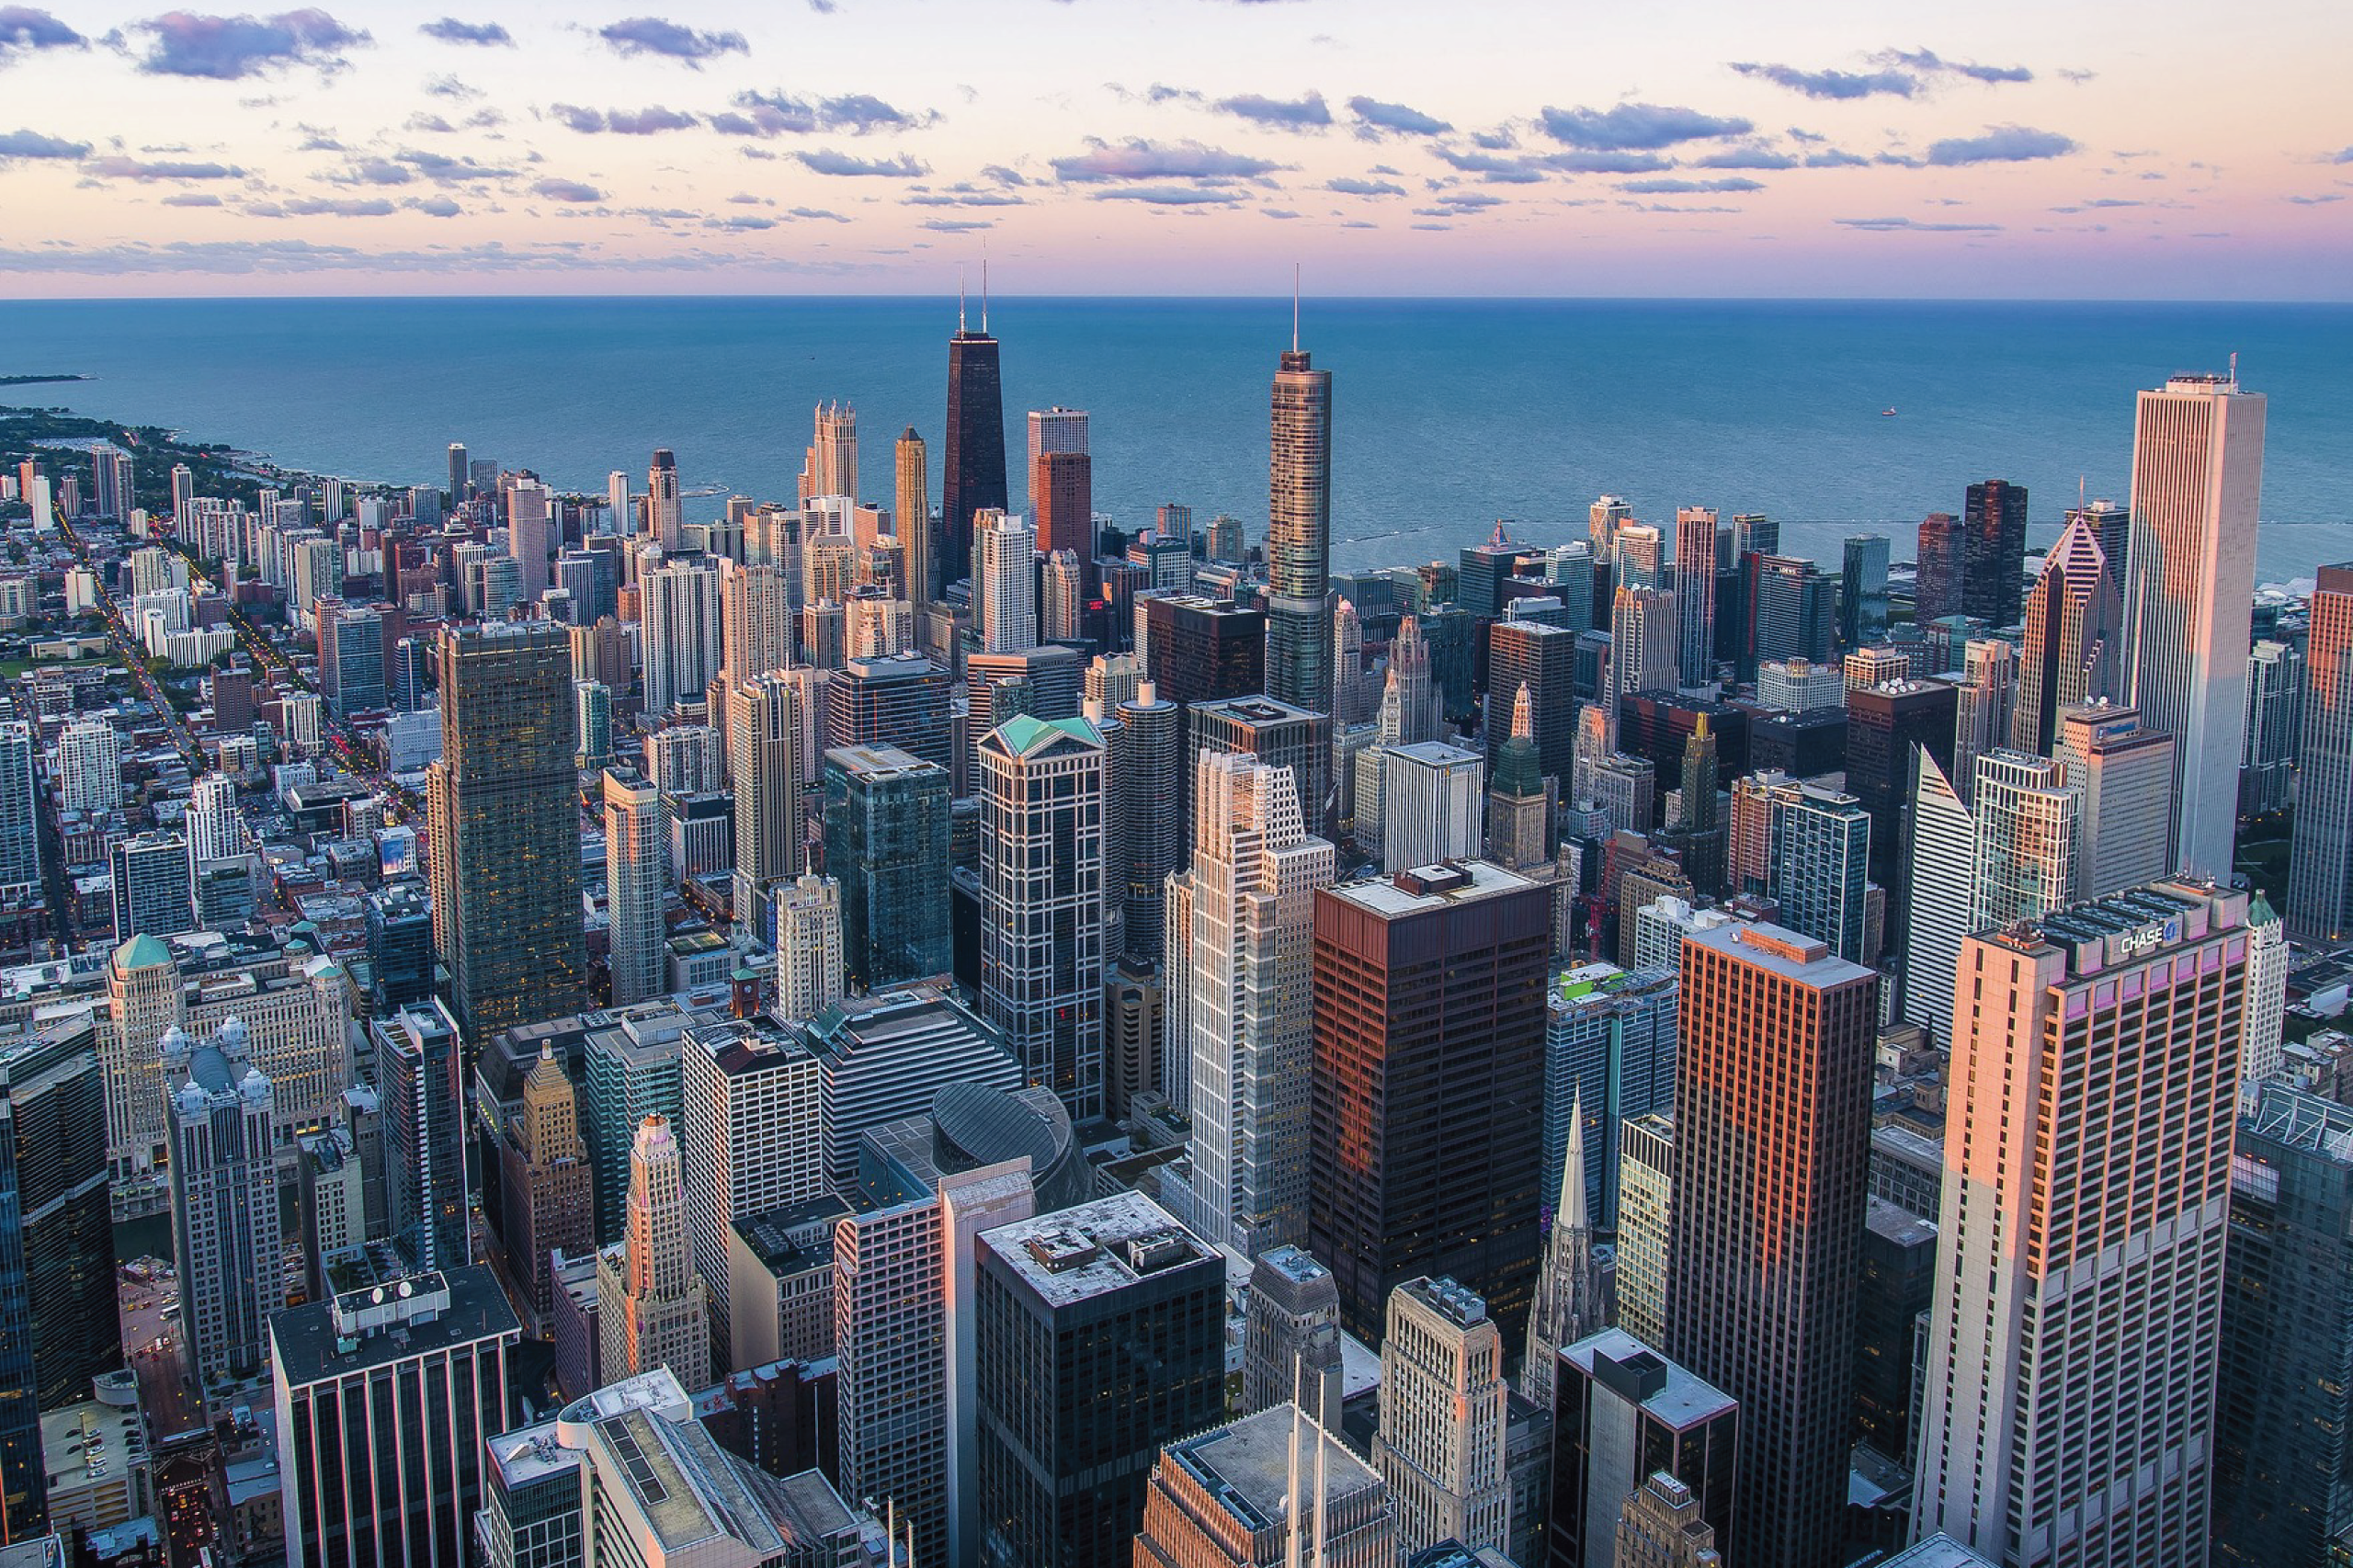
column 1993, row 560
column 973, row 470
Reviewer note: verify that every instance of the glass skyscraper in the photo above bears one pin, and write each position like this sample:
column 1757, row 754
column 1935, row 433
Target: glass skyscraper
column 886, row 840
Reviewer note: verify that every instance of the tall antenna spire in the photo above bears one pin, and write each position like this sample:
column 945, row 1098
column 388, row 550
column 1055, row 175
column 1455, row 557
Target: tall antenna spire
column 984, row 293
column 960, row 301
column 1294, row 308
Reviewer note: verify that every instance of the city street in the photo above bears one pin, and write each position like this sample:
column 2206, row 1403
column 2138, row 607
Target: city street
column 154, row 1342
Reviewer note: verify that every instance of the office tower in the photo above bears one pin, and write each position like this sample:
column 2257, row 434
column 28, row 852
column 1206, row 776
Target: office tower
column 1569, row 1301
column 1271, row 1489
column 2283, row 1405
column 2024, row 817
column 20, row 809
column 418, row 1069
column 1519, row 798
column 1817, row 859
column 636, row 880
column 620, row 512
column 1640, row 557
column 1604, row 519
column 154, row 892
column 224, row 1203
column 905, row 1331
column 1608, row 1057
column 1984, row 701
column 1428, row 1035
column 680, row 616
column 653, row 1307
column 807, row 946
column 385, row 1397
column 899, row 702
column 1439, row 1447
column 911, row 518
column 1862, row 590
column 592, row 724
column 1624, row 1412
column 2267, row 991
column 1695, row 592
column 52, row 1096
column 2072, row 652
column 2122, row 775
column 1354, row 694
column 1993, row 558
column 1062, row 486
column 1196, row 650
column 1772, row 1133
column 903, row 1054
column 1410, row 675
column 531, row 535
column 756, row 620
column 1062, row 597
column 1291, row 1340
column 1793, row 610
column 505, row 858
column 1798, row 686
column 973, row 480
column 1885, row 723
column 877, row 628
column 1941, row 883
column 1042, row 904
column 2275, row 713
column 1542, row 659
column 1644, row 646
column 764, row 769
column 1006, row 573
column 144, row 994
column 1276, row 733
column 664, row 512
column 1646, row 1223
column 886, row 840
column 459, row 473
column 1660, row 1527
column 1898, row 1285
column 1938, row 588
column 833, row 452
column 1249, row 897
column 1698, row 837
column 633, row 1071
column 1148, row 815
column 351, row 657
column 1430, row 810
column 749, row 1123
column 89, row 767
column 1102, row 1329
column 2188, row 591
column 2085, row 1208
column 551, row 1200
column 1298, row 536
column 2320, row 871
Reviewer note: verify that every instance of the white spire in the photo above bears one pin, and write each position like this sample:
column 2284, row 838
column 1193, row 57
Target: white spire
column 1572, row 1214
column 1523, row 715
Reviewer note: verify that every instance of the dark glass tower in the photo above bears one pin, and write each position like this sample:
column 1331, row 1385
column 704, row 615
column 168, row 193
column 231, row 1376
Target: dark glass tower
column 972, row 477
column 1993, row 566
column 886, row 839
column 1299, row 537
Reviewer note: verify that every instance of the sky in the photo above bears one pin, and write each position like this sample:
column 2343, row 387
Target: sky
column 2109, row 149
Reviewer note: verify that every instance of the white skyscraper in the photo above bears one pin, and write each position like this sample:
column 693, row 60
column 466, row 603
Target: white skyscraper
column 833, row 452
column 653, row 1307
column 530, row 533
column 215, row 830
column 681, row 632
column 1643, row 651
column 2188, row 595
column 20, row 809
column 756, row 620
column 89, row 767
column 621, row 510
column 1008, row 547
column 1251, row 895
column 750, row 1130
column 2025, row 815
column 1443, row 1417
column 1983, row 704
column 2072, row 1342
column 764, row 722
column 1943, row 885
column 1431, row 806
column 807, row 946
column 635, row 880
column 2267, row 991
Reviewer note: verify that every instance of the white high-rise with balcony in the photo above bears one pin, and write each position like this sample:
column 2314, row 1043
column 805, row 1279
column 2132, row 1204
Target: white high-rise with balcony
column 2188, row 595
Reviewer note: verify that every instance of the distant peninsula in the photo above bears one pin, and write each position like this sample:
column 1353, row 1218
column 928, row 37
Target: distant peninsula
column 39, row 381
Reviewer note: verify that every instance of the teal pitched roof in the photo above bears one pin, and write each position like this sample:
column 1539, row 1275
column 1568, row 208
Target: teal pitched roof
column 145, row 950
column 1023, row 734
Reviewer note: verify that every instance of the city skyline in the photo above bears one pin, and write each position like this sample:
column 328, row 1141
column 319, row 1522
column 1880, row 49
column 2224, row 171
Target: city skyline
column 727, row 150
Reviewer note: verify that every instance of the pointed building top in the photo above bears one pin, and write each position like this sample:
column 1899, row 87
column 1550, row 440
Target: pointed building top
column 1523, row 715
column 1573, row 1214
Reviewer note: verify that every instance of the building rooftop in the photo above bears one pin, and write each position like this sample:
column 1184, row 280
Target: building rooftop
column 1435, row 754
column 796, row 1237
column 89, row 1443
column 1094, row 1249
column 1940, row 1551
column 460, row 1306
column 1673, row 1395
column 1426, row 888
column 1782, row 953
column 684, row 1485
column 1893, row 1223
column 1245, row 1465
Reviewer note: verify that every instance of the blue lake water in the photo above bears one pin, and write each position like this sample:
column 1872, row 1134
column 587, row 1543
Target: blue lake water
column 1448, row 414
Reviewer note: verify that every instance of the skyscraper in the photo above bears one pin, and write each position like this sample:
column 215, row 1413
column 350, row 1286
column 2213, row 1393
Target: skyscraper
column 1429, row 1039
column 2320, row 873
column 52, row 1096
column 1937, row 587
column 550, row 1191
column 2072, row 652
column 89, row 767
column 1005, row 575
column 912, row 519
column 2188, row 593
column 1250, row 898
column 653, row 1307
column 809, row 946
column 2275, row 715
column 886, row 840
column 1062, row 491
column 2026, row 826
column 351, row 656
column 1542, row 659
column 1298, row 536
column 1862, row 590
column 681, row 631
column 763, row 765
column 1624, row 1412
column 1430, row 805
column 506, row 852
column 2123, row 774
column 1695, row 593
column 1270, row 1489
column 1291, row 1341
column 418, row 1067
column 833, row 452
column 1042, row 901
column 1940, row 882
column 1439, row 1447
column 749, row 1127
column 531, row 535
column 1519, row 798
column 224, row 1203
column 1148, row 837
column 636, row 880
column 1984, row 702
column 666, row 513
column 972, row 477
column 2073, row 1340
column 1569, row 1304
column 1772, row 1137
column 754, row 620
column 1102, row 1331
column 1817, row 864
column 154, row 892
column 1885, row 724
column 1992, row 552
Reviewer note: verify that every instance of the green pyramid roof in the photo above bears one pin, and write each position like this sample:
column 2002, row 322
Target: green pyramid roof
column 145, row 950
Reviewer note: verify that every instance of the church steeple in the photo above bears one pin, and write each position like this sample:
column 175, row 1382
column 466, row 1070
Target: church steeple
column 1569, row 1295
